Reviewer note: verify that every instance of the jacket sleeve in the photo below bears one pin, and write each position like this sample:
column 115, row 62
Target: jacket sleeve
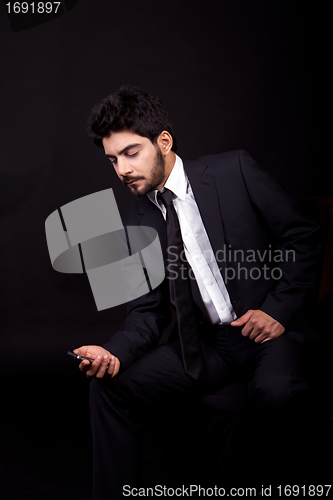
column 297, row 236
column 146, row 319
column 147, row 316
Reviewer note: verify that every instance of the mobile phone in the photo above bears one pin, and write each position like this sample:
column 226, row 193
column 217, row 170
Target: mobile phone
column 79, row 357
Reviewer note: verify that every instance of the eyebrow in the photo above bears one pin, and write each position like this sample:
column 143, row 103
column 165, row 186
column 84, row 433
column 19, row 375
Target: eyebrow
column 124, row 150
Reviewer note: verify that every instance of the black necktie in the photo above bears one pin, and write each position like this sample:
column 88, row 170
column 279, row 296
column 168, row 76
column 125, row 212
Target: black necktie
column 179, row 281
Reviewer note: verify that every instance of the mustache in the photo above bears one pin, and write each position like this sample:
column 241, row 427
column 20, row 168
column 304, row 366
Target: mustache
column 127, row 179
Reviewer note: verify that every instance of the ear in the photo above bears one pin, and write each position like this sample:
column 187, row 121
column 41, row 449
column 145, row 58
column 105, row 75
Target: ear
column 165, row 142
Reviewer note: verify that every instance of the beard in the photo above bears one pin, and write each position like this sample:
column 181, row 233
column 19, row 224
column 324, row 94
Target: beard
column 156, row 178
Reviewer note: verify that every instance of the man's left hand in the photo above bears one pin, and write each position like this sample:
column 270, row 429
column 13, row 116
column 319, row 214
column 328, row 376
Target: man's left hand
column 259, row 326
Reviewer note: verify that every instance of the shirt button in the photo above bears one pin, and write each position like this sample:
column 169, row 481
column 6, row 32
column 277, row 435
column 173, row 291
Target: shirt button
column 198, row 258
column 210, row 283
column 222, row 308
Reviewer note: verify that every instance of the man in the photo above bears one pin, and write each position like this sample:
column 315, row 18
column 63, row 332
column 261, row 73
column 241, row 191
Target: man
column 250, row 260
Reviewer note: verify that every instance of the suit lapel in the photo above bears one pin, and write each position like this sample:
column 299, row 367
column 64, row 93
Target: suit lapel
column 151, row 216
column 207, row 199
column 205, row 193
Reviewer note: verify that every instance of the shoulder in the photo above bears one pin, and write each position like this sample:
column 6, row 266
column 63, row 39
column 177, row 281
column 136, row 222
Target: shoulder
column 227, row 156
column 229, row 163
column 232, row 158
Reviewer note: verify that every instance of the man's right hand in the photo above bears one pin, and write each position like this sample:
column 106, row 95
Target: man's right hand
column 105, row 364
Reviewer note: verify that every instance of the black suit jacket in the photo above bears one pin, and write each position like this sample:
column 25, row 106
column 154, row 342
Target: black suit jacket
column 266, row 248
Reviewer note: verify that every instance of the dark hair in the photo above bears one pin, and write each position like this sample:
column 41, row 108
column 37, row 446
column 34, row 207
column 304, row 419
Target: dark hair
column 132, row 109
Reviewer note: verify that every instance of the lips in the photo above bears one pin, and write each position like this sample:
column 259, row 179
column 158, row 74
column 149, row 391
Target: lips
column 131, row 181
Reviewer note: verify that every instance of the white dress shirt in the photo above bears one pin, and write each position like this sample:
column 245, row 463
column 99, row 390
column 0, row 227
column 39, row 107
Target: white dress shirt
column 198, row 249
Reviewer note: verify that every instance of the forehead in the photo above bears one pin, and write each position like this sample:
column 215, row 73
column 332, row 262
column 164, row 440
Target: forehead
column 118, row 141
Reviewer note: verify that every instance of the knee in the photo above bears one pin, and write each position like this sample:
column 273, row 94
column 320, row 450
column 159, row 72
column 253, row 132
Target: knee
column 110, row 392
column 106, row 398
column 279, row 393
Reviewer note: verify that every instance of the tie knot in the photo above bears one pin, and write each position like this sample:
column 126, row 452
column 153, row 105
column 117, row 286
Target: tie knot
column 166, row 197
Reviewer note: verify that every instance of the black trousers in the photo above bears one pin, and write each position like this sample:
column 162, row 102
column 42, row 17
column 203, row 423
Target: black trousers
column 276, row 380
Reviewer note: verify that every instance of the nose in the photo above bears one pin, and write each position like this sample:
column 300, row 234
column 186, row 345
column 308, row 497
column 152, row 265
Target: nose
column 123, row 167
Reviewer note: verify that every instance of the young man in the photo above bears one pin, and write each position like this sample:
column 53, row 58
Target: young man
column 250, row 261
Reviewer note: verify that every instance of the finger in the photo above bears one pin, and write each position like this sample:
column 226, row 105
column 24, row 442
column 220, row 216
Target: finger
column 102, row 367
column 246, row 331
column 81, row 350
column 250, row 329
column 266, row 333
column 255, row 326
column 84, row 365
column 273, row 333
column 258, row 330
column 243, row 319
column 94, row 366
column 116, row 367
column 111, row 366
column 261, row 337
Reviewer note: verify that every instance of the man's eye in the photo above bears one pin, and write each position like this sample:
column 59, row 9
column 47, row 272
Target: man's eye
column 132, row 154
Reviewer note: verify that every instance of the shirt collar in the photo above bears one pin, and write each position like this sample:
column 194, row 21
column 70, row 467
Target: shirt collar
column 177, row 182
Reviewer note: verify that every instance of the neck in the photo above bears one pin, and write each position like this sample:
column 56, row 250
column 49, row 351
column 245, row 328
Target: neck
column 170, row 161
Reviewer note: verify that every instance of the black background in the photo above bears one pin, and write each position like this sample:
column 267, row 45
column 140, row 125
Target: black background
column 232, row 74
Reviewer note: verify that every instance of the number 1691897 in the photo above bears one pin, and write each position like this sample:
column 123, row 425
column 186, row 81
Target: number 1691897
column 32, row 7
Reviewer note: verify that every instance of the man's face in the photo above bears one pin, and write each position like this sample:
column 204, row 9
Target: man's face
column 138, row 163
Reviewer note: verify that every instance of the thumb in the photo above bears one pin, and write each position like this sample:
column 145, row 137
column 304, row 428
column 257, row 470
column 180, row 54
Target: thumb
column 82, row 351
column 243, row 319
